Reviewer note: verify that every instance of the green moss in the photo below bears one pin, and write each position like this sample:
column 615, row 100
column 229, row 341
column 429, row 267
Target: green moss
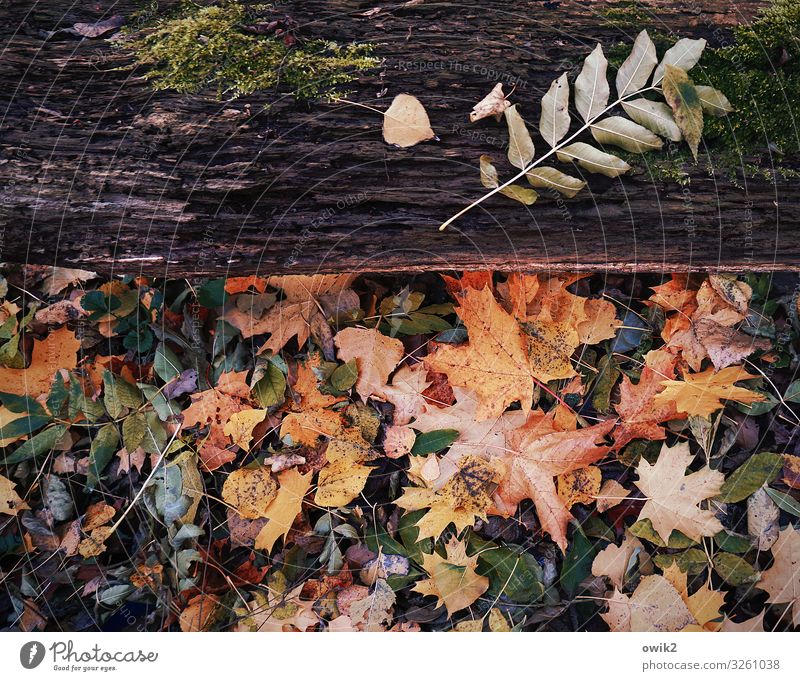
column 760, row 74
column 758, row 69
column 197, row 47
column 627, row 14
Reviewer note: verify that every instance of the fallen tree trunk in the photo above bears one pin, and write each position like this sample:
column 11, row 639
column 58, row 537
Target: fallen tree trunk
column 98, row 171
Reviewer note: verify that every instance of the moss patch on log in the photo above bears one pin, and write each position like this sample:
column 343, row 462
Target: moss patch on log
column 760, row 74
column 237, row 50
column 757, row 66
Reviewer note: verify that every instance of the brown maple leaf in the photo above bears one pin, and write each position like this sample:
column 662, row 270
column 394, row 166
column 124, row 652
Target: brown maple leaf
column 57, row 351
column 295, row 315
column 376, row 357
column 214, row 408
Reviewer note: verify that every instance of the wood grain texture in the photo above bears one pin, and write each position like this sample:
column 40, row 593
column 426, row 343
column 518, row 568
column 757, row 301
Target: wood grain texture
column 99, row 171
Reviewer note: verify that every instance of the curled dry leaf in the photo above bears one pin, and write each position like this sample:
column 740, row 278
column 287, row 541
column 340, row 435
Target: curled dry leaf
column 493, row 104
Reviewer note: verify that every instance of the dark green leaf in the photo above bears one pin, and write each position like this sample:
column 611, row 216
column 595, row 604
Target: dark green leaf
column 269, row 389
column 784, row 501
column 104, row 446
column 212, row 293
column 345, row 376
column 434, row 441
column 38, row 444
column 758, row 470
column 735, row 570
column 577, row 563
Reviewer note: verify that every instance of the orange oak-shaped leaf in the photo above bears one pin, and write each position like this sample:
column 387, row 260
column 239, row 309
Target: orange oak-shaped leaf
column 639, row 415
column 284, row 508
column 56, row 351
column 538, row 452
column 673, row 497
column 782, row 580
column 376, row 357
column 453, row 580
column 494, row 363
column 702, row 394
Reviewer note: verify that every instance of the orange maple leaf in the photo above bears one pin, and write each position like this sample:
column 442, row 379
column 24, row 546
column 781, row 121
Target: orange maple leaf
column 639, row 415
column 56, row 351
column 542, row 449
column 494, row 363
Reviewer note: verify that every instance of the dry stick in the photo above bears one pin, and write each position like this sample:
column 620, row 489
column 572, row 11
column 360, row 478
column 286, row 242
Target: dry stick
column 552, row 151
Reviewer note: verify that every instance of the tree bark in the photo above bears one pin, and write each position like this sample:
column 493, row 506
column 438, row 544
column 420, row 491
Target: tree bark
column 98, row 171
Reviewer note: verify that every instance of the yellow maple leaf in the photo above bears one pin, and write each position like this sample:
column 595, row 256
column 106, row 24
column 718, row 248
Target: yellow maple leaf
column 10, row 502
column 453, row 580
column 702, row 394
column 344, row 476
column 467, row 495
column 239, row 426
column 494, row 363
column 284, row 508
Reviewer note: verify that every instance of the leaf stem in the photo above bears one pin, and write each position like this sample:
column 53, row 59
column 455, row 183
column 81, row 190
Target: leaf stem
column 535, row 163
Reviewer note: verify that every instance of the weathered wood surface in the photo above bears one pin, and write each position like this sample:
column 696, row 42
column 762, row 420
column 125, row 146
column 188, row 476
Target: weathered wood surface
column 98, row 171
